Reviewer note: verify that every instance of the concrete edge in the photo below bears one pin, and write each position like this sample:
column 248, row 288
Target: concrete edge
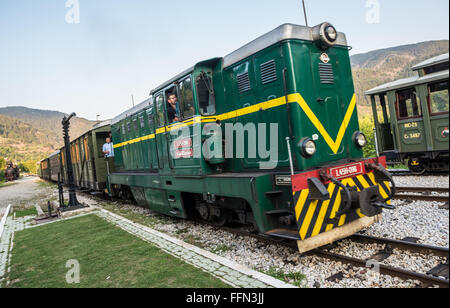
column 3, row 221
column 273, row 282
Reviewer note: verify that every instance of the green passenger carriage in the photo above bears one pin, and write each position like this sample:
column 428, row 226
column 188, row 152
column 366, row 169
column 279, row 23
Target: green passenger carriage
column 294, row 82
column 90, row 166
column 411, row 117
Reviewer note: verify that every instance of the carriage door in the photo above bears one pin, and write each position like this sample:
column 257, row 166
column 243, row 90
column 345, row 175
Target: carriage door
column 160, row 136
column 410, row 121
column 153, row 152
column 439, row 106
column 180, row 136
column 384, row 138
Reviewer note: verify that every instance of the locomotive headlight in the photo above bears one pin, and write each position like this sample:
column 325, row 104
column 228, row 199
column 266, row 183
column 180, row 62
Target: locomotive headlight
column 308, row 147
column 331, row 33
column 325, row 35
column 360, row 139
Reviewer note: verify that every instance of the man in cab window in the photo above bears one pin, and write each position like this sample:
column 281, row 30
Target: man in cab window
column 173, row 108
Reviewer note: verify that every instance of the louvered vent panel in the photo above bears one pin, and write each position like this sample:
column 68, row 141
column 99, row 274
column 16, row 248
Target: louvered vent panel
column 268, row 72
column 243, row 82
column 326, row 73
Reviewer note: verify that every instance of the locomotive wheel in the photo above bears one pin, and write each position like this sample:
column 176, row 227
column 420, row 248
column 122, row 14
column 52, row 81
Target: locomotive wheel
column 124, row 194
column 416, row 167
column 222, row 219
column 203, row 210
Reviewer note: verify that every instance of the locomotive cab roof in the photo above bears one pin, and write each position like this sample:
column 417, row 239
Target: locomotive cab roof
column 282, row 33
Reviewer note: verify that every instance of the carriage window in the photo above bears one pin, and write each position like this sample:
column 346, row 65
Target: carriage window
column 135, row 125
column 408, row 104
column 186, row 98
column 438, row 97
column 150, row 116
column 141, row 120
column 86, row 149
column 380, row 112
column 205, row 93
column 129, row 126
column 123, row 129
column 160, row 110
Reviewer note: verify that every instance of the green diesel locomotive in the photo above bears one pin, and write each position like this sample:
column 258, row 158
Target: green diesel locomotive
column 411, row 117
column 267, row 136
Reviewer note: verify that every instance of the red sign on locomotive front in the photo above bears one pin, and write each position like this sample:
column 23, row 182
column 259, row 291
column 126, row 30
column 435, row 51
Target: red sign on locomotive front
column 347, row 171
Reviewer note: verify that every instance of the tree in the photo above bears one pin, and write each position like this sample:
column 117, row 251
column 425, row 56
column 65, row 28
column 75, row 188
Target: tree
column 2, row 163
column 2, row 169
column 367, row 126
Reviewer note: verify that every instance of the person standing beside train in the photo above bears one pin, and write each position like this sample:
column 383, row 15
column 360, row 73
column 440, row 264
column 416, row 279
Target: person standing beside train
column 108, row 148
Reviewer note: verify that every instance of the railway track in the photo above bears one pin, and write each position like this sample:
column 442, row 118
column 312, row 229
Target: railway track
column 401, row 172
column 406, row 172
column 427, row 280
column 422, row 194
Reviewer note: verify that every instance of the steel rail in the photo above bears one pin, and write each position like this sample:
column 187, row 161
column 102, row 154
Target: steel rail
column 421, row 198
column 403, row 245
column 440, row 190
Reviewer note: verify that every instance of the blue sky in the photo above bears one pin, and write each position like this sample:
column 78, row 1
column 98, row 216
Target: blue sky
column 124, row 47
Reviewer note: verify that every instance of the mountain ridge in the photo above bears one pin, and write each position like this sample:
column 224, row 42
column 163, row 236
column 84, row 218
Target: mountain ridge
column 381, row 66
column 28, row 134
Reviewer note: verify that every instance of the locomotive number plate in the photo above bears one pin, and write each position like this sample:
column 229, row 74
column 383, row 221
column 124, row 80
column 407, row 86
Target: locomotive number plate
column 283, row 180
column 347, row 171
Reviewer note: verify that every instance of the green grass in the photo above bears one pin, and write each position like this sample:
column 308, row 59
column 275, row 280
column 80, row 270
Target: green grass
column 39, row 259
column 222, row 248
column 297, row 279
column 45, row 184
column 399, row 166
column 27, row 212
column 135, row 216
column 5, row 184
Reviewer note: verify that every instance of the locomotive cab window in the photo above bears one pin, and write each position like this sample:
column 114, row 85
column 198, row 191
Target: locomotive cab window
column 173, row 108
column 159, row 103
column 205, row 94
column 186, row 99
column 408, row 105
column 438, row 98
